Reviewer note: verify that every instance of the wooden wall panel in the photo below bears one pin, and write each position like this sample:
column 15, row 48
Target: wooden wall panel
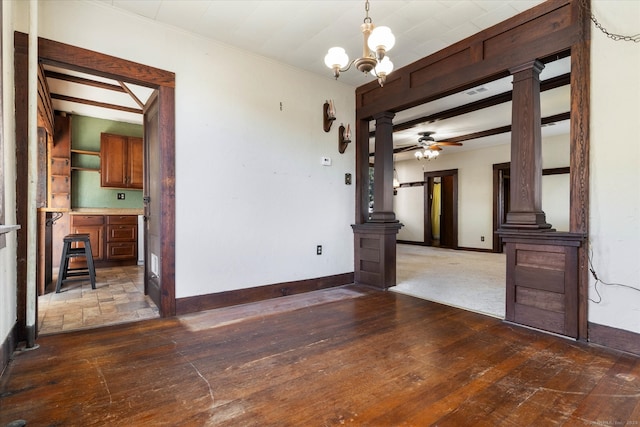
column 552, row 301
column 440, row 68
column 528, row 32
column 540, row 278
column 542, row 281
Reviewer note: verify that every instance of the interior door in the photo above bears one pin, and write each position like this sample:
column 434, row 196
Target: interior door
column 446, row 212
column 448, row 208
column 151, row 198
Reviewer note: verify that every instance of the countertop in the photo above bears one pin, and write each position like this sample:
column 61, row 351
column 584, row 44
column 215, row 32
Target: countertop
column 106, row 211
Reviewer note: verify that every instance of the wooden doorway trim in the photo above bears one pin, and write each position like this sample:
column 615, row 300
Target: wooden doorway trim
column 428, row 189
column 544, row 32
column 90, row 62
column 500, row 206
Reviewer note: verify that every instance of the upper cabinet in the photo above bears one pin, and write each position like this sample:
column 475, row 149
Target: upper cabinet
column 120, row 161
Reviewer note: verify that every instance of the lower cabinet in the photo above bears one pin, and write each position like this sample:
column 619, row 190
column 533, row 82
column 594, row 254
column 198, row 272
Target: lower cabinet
column 113, row 238
column 93, row 225
column 122, row 233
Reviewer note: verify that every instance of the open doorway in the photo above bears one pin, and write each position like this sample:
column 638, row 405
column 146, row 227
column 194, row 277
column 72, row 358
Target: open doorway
column 104, row 66
column 441, row 209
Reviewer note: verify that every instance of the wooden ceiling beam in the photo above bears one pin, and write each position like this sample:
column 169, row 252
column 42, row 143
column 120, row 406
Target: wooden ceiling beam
column 131, row 94
column 81, row 80
column 95, row 103
column 552, row 83
column 490, row 132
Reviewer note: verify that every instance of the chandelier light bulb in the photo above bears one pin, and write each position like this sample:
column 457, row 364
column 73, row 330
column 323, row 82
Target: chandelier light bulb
column 336, row 57
column 381, row 40
column 384, row 67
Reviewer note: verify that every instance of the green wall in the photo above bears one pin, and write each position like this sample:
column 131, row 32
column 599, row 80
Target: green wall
column 85, row 185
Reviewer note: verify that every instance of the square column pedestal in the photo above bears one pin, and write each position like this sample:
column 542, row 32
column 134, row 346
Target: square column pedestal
column 375, row 253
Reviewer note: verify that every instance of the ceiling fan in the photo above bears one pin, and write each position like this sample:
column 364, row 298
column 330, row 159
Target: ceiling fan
column 426, row 141
column 428, row 148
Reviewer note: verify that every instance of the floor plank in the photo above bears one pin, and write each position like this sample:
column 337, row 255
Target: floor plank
column 339, row 356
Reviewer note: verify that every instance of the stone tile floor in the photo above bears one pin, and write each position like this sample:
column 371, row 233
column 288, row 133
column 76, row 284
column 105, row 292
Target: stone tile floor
column 118, row 298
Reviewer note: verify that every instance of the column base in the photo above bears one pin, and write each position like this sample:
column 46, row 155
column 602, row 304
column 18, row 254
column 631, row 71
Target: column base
column 527, row 221
column 375, row 253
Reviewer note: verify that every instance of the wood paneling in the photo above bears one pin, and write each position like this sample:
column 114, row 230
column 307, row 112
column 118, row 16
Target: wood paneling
column 545, row 30
column 347, row 356
column 542, row 287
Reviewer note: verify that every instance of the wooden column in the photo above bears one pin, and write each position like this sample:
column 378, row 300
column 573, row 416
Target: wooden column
column 383, row 170
column 526, row 150
column 375, row 240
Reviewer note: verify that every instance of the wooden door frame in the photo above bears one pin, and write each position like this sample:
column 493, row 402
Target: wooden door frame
column 428, row 180
column 90, row 62
column 543, row 32
column 499, row 207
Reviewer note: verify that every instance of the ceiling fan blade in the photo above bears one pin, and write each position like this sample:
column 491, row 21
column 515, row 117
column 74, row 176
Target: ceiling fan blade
column 407, row 148
column 457, row 144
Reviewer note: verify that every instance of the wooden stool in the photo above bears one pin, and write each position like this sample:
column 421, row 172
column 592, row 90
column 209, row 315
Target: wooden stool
column 70, row 252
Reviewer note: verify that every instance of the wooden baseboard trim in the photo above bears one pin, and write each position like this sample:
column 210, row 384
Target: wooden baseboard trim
column 459, row 248
column 411, row 242
column 7, row 348
column 462, row 248
column 615, row 338
column 259, row 293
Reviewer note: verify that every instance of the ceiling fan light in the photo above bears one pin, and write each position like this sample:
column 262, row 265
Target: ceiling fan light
column 381, row 40
column 336, row 57
column 418, row 155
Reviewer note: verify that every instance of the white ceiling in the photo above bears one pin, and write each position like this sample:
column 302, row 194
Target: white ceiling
column 299, row 33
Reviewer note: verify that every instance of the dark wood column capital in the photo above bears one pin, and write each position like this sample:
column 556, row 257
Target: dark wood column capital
column 383, row 169
column 526, row 150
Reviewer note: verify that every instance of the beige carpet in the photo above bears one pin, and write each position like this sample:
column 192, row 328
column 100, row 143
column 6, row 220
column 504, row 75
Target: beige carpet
column 470, row 280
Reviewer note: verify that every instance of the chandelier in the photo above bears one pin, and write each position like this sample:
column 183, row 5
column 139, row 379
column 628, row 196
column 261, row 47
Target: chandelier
column 377, row 41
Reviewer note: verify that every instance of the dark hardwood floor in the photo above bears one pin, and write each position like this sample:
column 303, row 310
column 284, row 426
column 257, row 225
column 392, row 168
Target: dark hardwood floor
column 339, row 356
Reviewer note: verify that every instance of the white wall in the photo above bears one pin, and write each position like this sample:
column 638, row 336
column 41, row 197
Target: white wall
column 615, row 166
column 253, row 200
column 8, row 266
column 475, row 190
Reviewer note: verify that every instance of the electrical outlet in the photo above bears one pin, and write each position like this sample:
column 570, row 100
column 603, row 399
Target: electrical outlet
column 319, row 250
column 120, row 196
column 347, row 178
column 482, row 238
column 325, row 161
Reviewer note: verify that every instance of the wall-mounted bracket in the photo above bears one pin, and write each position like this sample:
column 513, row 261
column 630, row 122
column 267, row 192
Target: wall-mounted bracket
column 328, row 115
column 344, row 138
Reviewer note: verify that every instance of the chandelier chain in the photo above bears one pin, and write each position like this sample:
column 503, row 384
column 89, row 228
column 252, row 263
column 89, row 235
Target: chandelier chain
column 615, row 37
column 367, row 19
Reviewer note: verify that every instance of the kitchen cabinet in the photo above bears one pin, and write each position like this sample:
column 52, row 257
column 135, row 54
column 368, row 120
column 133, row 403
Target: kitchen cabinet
column 114, row 238
column 120, row 161
column 122, row 234
column 93, row 225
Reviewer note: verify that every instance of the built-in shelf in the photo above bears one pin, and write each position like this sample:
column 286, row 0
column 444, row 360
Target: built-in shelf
column 7, row 228
column 87, row 152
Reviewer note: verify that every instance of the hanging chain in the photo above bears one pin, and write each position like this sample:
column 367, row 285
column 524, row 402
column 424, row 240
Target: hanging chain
column 367, row 20
column 615, row 37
